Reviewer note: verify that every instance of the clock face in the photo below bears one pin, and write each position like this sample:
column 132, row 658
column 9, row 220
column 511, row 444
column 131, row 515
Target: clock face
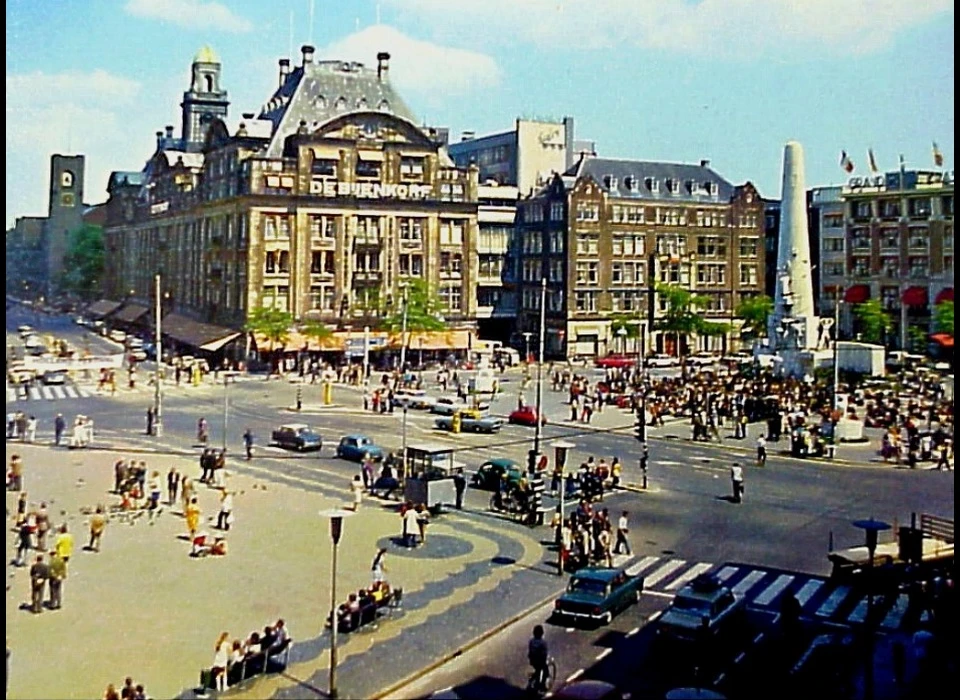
column 550, row 137
column 67, row 200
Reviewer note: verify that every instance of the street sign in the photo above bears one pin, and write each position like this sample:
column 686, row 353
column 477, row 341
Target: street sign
column 54, row 364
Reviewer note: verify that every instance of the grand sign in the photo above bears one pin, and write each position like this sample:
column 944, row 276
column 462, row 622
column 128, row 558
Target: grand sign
column 369, row 190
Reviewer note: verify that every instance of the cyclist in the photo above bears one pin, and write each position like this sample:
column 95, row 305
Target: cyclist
column 537, row 654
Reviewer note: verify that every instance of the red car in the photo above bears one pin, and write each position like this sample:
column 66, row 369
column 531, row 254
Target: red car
column 616, row 362
column 526, row 416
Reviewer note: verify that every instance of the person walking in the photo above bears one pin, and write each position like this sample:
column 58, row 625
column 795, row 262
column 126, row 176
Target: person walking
column 366, row 471
column 173, row 485
column 32, row 429
column 24, row 542
column 378, row 568
column 39, row 575
column 736, row 477
column 98, row 523
column 460, row 485
column 16, row 473
column 43, row 527
column 63, row 545
column 762, row 450
column 623, row 527
column 410, row 525
column 226, row 510
column 59, row 427
column 151, row 418
column 248, row 443
column 202, row 431
column 186, row 492
column 192, row 515
column 357, row 488
column 58, row 574
column 155, row 491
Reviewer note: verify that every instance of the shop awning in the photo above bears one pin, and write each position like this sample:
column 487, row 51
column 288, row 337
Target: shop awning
column 915, row 296
column 944, row 295
column 102, row 308
column 203, row 336
column 131, row 313
column 434, row 340
column 942, row 339
column 857, row 294
column 297, row 341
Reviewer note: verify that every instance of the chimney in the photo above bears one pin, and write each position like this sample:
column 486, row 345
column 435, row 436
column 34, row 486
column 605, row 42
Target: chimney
column 307, row 52
column 284, row 70
column 169, row 130
column 248, row 115
column 467, row 135
column 159, row 139
column 705, row 163
column 383, row 65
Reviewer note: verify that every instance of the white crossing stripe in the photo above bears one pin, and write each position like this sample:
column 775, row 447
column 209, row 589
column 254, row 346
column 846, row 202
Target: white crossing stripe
column 11, row 394
column 773, row 590
column 35, row 393
column 688, row 575
column 831, row 604
column 899, row 609
column 726, row 572
column 661, row 573
column 859, row 613
column 58, row 392
column 71, row 392
column 644, row 563
column 47, row 392
column 806, row 593
column 749, row 581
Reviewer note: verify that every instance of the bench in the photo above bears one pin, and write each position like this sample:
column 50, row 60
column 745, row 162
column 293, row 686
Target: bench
column 273, row 660
column 368, row 615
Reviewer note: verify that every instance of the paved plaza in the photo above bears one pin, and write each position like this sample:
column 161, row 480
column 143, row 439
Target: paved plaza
column 143, row 607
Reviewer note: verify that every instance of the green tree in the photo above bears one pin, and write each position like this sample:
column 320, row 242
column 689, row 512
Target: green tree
column 273, row 324
column 754, row 312
column 423, row 310
column 682, row 316
column 83, row 262
column 316, row 330
column 874, row 322
column 943, row 317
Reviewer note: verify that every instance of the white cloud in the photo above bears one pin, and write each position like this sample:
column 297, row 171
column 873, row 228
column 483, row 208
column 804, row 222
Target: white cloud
column 190, row 14
column 729, row 28
column 418, row 66
column 93, row 113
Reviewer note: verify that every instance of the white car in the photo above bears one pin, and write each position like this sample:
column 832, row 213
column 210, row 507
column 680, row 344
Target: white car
column 118, row 336
column 413, row 398
column 24, row 330
column 660, row 360
column 55, row 377
column 702, row 359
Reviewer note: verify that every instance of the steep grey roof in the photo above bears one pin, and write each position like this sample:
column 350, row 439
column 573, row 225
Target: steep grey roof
column 125, row 177
column 646, row 180
column 321, row 91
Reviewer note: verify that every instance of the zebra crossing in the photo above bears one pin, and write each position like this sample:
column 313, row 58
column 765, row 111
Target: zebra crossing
column 48, row 393
column 819, row 597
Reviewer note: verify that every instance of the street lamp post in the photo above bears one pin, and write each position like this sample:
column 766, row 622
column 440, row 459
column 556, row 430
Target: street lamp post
column 561, row 448
column 622, row 334
column 336, row 517
column 226, row 408
column 403, row 334
column 538, row 421
column 836, row 354
column 158, row 358
column 526, row 352
column 871, row 529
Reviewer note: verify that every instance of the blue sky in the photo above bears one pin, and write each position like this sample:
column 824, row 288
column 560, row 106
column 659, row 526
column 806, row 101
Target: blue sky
column 728, row 80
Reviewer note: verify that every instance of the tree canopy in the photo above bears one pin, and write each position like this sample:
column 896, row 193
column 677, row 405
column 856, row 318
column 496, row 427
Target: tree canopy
column 83, row 262
column 272, row 323
column 754, row 312
column 943, row 317
column 875, row 323
column 423, row 310
column 684, row 314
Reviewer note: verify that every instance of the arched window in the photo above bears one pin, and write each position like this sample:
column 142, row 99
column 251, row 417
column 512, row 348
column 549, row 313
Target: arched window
column 66, row 179
column 208, row 82
column 341, row 104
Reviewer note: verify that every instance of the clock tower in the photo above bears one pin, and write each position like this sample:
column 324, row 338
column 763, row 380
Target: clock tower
column 204, row 100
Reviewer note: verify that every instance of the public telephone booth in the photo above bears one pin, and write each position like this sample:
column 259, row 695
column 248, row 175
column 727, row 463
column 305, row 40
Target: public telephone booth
column 430, row 469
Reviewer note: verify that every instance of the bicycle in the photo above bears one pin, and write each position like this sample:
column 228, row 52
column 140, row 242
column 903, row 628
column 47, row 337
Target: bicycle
column 541, row 680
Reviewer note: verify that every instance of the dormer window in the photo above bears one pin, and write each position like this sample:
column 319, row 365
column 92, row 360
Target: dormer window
column 632, row 183
column 320, row 102
column 610, row 181
column 362, row 103
column 713, row 189
column 653, row 184
column 673, row 185
column 340, row 105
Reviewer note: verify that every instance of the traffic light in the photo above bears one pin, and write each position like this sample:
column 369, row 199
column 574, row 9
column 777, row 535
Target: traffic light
column 641, row 430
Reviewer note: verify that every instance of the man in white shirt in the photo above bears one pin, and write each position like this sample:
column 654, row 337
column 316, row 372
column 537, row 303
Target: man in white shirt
column 226, row 508
column 761, row 450
column 622, row 530
column 736, row 476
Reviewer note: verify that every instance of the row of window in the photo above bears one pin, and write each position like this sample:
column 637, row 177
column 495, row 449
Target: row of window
column 322, row 262
column 323, row 227
column 893, row 208
column 890, row 266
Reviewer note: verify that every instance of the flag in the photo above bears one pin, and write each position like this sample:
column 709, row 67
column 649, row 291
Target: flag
column 937, row 155
column 845, row 162
column 873, row 161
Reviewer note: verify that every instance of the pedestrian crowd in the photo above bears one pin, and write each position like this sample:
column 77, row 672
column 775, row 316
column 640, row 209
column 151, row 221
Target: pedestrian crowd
column 589, row 537
column 234, row 661
column 129, row 691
